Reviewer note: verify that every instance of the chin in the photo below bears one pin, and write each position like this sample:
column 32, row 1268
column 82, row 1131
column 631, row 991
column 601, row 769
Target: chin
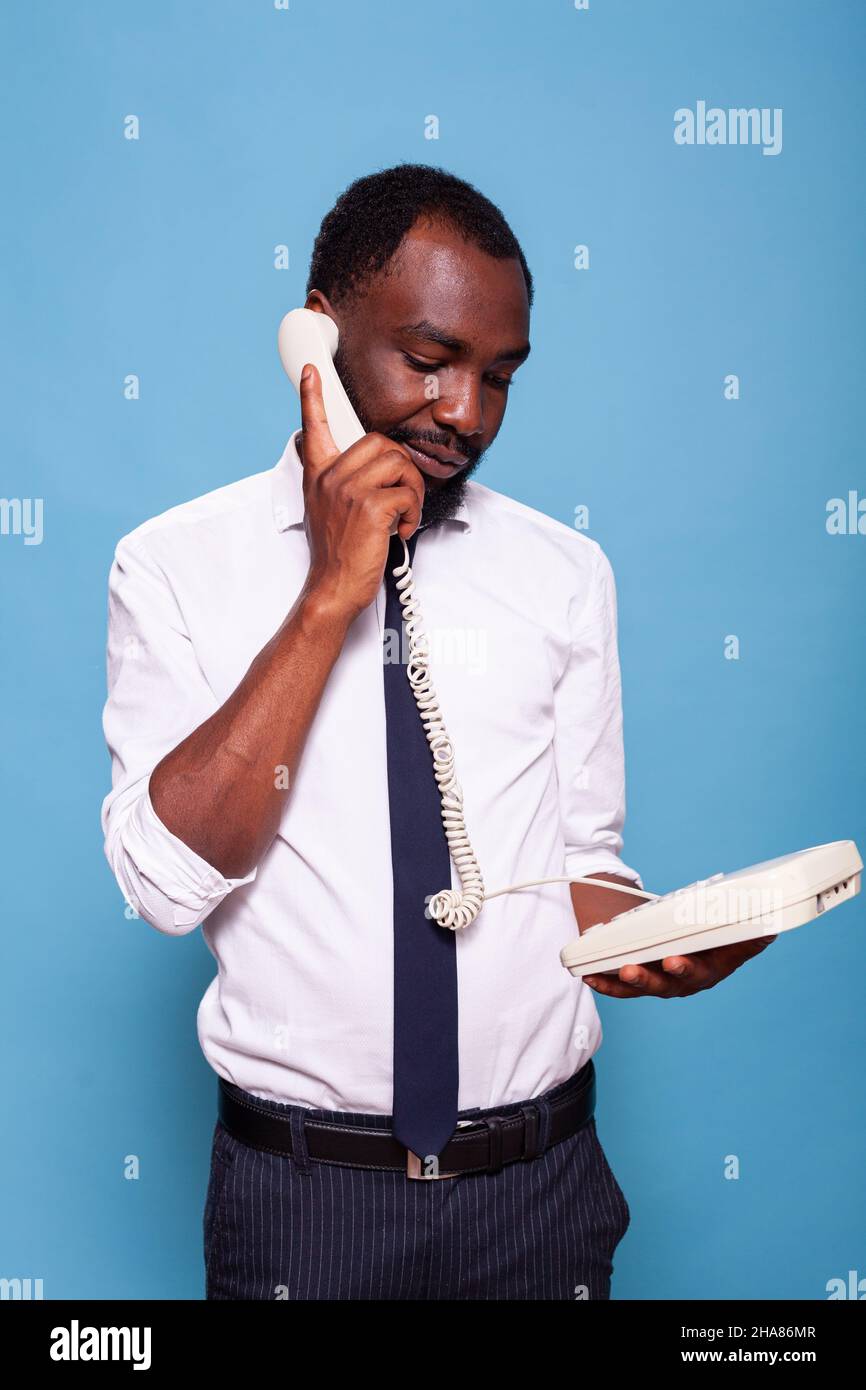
column 441, row 501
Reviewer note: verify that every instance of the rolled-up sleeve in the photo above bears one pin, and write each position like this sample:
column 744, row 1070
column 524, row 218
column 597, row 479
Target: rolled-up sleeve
column 157, row 695
column 590, row 761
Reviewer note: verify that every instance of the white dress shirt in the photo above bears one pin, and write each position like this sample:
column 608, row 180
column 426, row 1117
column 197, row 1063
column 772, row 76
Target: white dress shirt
column 521, row 615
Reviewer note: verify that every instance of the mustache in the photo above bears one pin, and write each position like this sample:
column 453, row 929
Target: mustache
column 401, row 435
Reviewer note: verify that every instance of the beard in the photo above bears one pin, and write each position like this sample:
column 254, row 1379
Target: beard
column 442, row 498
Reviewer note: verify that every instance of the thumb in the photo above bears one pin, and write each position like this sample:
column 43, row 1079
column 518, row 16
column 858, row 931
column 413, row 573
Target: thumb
column 319, row 446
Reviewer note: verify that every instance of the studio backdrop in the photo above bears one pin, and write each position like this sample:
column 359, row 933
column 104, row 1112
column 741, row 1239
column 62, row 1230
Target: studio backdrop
column 686, row 179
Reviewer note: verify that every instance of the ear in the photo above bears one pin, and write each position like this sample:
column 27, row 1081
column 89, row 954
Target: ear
column 321, row 304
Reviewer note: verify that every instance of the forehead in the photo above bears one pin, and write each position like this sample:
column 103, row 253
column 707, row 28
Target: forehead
column 437, row 275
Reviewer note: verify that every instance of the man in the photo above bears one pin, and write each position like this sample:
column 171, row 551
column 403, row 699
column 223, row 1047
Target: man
column 406, row 1110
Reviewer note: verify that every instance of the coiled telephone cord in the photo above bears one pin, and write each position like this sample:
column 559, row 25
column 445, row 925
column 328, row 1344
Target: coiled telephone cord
column 452, row 907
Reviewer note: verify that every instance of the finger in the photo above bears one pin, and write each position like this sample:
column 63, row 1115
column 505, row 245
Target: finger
column 612, row 986
column 318, row 442
column 366, row 450
column 722, row 961
column 391, row 472
column 400, row 505
column 757, row 945
column 693, row 971
column 648, row 979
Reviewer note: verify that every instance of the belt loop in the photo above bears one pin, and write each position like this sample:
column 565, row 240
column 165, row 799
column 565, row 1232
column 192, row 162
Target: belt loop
column 300, row 1153
column 544, row 1128
column 494, row 1126
column 530, row 1133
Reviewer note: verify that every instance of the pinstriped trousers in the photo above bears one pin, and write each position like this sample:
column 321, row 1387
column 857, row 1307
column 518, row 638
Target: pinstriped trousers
column 288, row 1228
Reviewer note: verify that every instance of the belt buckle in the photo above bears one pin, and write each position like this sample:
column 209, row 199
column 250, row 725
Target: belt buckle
column 413, row 1162
column 413, row 1169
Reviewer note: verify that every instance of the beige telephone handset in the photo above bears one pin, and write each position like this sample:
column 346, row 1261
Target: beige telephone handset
column 804, row 885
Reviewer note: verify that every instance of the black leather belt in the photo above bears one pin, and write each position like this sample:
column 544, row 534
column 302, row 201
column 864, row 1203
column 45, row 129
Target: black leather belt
column 477, row 1146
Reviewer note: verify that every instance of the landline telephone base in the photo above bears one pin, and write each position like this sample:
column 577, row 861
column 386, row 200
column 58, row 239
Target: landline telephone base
column 762, row 900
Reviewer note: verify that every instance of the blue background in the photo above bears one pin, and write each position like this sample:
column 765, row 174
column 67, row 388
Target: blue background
column 156, row 257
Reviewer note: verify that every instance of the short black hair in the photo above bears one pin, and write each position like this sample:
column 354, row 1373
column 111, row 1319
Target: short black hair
column 365, row 226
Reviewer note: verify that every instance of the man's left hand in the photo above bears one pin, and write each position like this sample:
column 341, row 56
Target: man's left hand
column 676, row 976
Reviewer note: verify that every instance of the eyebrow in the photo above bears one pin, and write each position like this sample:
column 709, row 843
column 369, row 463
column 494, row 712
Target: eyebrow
column 430, row 333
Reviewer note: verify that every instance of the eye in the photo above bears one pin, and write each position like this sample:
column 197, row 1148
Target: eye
column 500, row 383
column 417, row 366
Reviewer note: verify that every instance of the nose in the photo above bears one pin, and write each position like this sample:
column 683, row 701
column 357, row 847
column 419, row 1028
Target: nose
column 460, row 407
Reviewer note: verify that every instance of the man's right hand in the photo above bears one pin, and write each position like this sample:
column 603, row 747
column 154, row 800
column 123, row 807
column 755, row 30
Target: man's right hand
column 354, row 503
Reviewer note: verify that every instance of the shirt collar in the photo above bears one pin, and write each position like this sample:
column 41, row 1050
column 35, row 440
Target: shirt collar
column 287, row 491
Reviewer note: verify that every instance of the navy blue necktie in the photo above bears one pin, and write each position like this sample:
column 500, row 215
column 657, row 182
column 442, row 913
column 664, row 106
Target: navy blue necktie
column 425, row 954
